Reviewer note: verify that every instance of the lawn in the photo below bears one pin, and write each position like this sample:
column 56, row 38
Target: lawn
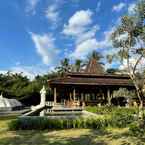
column 111, row 136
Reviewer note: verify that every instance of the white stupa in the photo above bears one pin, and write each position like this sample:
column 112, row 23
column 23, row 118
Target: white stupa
column 9, row 104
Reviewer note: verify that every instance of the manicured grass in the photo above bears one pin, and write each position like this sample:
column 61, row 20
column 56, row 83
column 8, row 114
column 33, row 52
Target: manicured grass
column 4, row 122
column 110, row 136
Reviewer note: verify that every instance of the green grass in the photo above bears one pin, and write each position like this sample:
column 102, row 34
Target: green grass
column 109, row 110
column 111, row 136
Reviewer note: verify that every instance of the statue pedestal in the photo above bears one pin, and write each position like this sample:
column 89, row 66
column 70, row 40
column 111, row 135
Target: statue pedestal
column 42, row 113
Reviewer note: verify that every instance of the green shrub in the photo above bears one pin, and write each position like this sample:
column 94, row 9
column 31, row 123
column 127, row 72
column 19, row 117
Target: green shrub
column 136, row 130
column 42, row 123
column 118, row 117
column 14, row 124
column 120, row 120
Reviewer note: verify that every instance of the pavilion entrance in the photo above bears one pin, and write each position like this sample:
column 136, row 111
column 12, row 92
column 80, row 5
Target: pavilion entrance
column 82, row 95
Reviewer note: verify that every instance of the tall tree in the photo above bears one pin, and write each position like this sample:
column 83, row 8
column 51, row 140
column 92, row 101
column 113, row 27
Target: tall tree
column 78, row 65
column 129, row 38
column 64, row 67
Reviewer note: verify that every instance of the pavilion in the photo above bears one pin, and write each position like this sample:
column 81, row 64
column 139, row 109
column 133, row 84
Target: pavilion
column 91, row 86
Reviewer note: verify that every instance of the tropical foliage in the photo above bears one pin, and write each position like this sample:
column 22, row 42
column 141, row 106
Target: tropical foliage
column 129, row 41
column 20, row 87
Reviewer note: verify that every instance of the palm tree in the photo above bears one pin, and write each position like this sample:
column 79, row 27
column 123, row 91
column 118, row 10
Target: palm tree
column 64, row 67
column 78, row 65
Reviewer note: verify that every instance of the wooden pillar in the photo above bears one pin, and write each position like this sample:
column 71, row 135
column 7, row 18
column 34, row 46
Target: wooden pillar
column 70, row 96
column 55, row 96
column 82, row 97
column 109, row 97
column 103, row 96
column 74, row 94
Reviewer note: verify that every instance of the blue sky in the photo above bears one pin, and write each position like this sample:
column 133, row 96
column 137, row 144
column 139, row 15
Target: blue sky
column 36, row 34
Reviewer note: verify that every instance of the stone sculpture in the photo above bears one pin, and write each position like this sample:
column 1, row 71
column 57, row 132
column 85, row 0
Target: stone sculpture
column 42, row 99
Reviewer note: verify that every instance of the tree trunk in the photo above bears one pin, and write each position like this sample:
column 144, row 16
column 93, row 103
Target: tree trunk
column 140, row 96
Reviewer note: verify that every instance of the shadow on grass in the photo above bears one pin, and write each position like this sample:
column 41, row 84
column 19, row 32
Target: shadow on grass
column 40, row 138
column 127, row 139
column 93, row 137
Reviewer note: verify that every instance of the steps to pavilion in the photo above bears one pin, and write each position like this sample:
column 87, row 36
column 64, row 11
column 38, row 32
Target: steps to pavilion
column 57, row 110
column 62, row 110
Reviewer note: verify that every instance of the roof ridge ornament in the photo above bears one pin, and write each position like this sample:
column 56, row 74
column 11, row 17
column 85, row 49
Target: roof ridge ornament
column 94, row 67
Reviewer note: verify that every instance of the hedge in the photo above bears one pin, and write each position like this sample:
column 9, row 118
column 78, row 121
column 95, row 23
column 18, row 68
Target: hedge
column 45, row 123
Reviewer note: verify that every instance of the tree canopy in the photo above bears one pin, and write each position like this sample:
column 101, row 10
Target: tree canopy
column 129, row 43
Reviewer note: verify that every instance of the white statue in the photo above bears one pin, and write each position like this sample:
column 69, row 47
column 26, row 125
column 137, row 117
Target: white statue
column 42, row 99
column 1, row 96
column 43, row 96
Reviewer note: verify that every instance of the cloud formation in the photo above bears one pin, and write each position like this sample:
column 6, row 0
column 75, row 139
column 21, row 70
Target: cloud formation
column 45, row 47
column 98, row 6
column 31, row 6
column 131, row 9
column 78, row 22
column 118, row 7
column 52, row 13
column 78, row 27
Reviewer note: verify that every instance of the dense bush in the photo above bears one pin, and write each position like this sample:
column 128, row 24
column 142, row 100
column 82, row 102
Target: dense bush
column 117, row 116
column 41, row 123
column 137, row 128
column 121, row 119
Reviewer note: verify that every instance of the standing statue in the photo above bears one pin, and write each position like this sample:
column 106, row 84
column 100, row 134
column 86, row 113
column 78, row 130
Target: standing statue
column 1, row 96
column 43, row 96
column 42, row 99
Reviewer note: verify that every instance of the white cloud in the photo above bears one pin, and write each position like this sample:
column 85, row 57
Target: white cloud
column 133, row 60
column 84, row 35
column 123, row 37
column 25, row 71
column 78, row 22
column 105, row 45
column 29, row 71
column 84, row 48
column 106, row 42
column 52, row 13
column 131, row 8
column 88, row 34
column 118, row 7
column 81, row 29
column 45, row 48
column 31, row 6
column 98, row 6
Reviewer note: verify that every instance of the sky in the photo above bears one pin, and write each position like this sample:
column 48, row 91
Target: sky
column 36, row 34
